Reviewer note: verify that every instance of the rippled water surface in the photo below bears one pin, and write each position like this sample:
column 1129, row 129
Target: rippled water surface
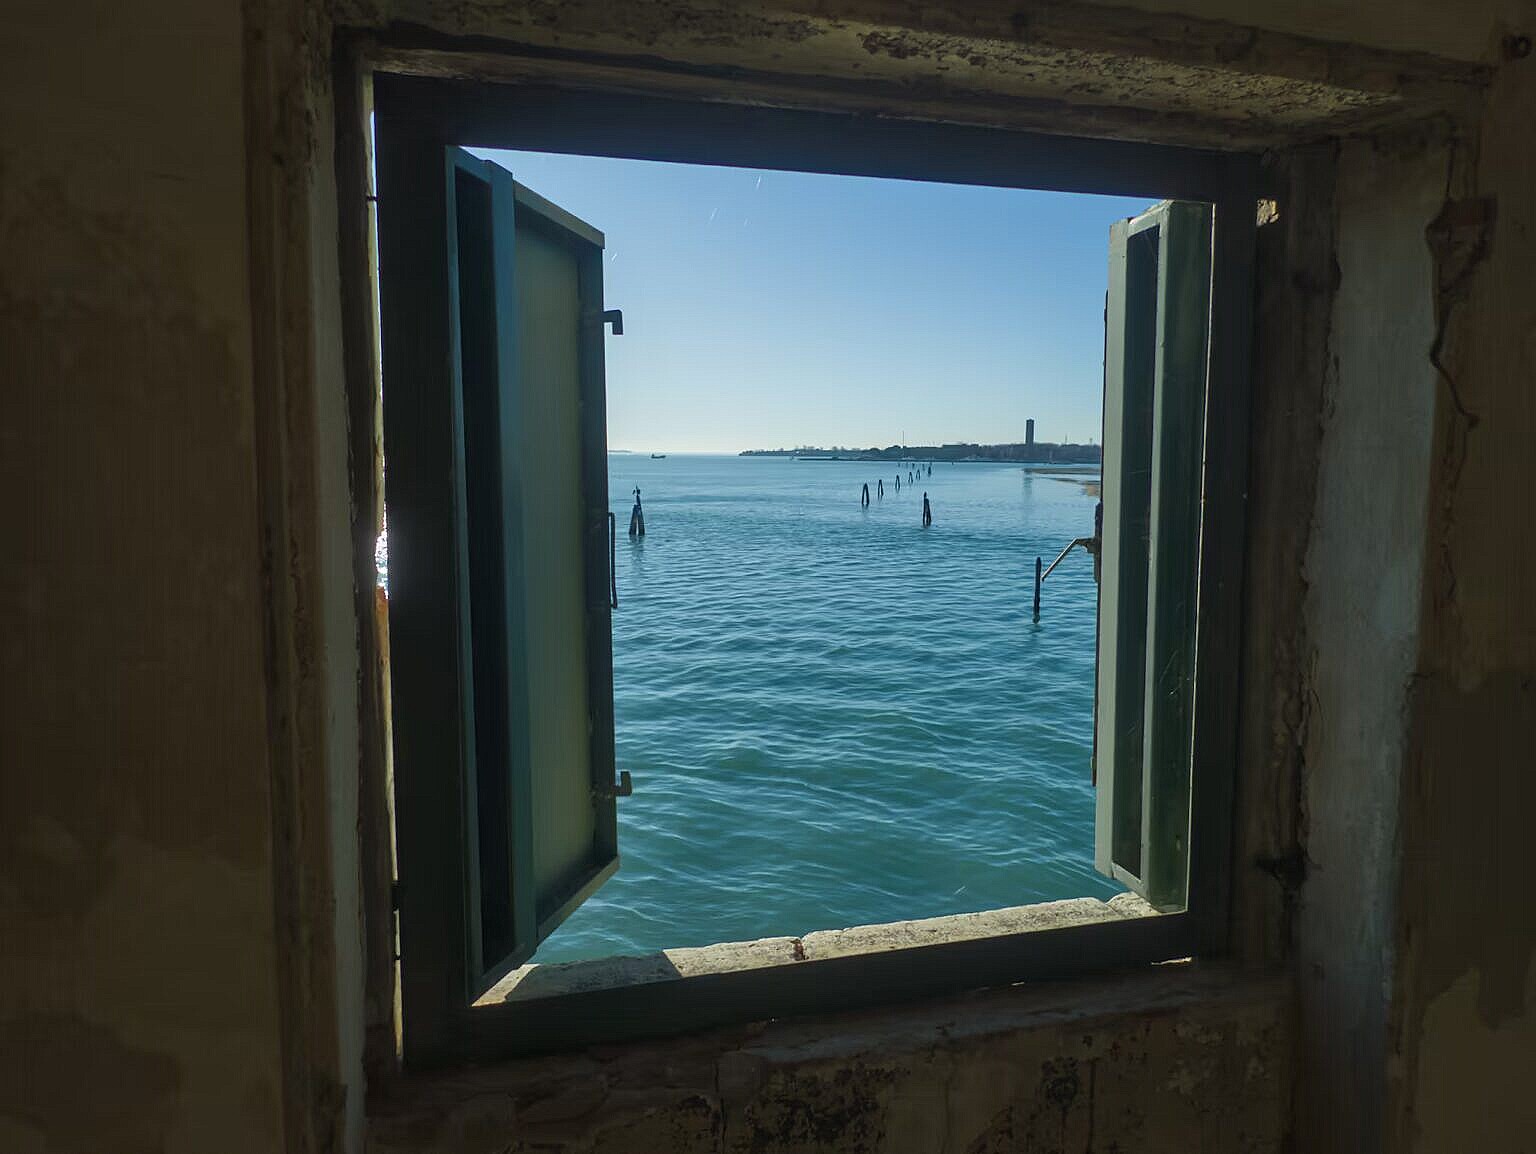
column 834, row 716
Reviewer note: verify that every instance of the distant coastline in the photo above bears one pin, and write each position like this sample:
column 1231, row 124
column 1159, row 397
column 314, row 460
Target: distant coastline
column 1032, row 452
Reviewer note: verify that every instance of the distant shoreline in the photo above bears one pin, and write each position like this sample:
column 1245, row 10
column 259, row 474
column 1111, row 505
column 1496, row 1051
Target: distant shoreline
column 1036, row 453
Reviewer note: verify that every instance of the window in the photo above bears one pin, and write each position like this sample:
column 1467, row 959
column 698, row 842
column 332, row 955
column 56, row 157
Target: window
column 492, row 313
column 1155, row 328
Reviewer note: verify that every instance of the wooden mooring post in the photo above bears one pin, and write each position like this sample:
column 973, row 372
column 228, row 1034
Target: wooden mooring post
column 1037, row 590
column 637, row 517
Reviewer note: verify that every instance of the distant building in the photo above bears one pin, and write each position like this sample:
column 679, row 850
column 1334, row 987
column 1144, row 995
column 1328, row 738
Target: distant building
column 1029, row 431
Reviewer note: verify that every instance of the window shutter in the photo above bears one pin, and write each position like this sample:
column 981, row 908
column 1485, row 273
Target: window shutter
column 491, row 306
column 1157, row 330
column 560, row 448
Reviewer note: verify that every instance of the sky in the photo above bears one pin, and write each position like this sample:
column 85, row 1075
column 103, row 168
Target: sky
column 767, row 309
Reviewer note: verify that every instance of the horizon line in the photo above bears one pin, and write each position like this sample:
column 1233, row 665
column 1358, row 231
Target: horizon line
column 826, row 448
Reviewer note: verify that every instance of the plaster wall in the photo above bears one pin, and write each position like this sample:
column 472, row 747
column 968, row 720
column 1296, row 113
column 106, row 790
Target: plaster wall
column 1464, row 1041
column 1415, row 951
column 177, row 848
column 177, row 643
column 139, row 1003
column 1363, row 567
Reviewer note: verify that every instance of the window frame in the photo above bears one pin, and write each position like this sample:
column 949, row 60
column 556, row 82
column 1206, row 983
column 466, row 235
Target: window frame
column 440, row 1024
column 1155, row 352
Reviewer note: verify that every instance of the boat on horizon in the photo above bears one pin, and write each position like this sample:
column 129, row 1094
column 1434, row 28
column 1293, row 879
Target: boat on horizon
column 658, row 456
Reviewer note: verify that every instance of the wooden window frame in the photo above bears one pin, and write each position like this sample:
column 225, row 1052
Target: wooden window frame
column 447, row 1027
column 1157, row 317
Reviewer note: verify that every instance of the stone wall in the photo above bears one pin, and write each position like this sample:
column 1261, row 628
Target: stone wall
column 1179, row 1061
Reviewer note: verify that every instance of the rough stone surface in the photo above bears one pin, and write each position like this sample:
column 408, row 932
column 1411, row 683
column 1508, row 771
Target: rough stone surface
column 1176, row 1059
column 534, row 981
column 960, row 927
column 538, row 981
column 1065, row 67
column 1297, row 274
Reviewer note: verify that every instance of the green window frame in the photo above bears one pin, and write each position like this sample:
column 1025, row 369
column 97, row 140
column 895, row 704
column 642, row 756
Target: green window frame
column 450, row 893
column 1156, row 337
column 491, row 311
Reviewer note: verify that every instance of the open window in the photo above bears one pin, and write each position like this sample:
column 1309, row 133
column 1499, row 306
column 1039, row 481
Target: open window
column 492, row 312
column 1156, row 338
column 501, row 544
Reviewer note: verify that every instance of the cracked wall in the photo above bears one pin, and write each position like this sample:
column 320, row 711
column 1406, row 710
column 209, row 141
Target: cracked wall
column 1464, row 1040
column 1415, row 949
column 1363, row 569
column 1175, row 1061
column 1297, row 278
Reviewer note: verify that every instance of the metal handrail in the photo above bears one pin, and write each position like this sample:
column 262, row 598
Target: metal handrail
column 1087, row 543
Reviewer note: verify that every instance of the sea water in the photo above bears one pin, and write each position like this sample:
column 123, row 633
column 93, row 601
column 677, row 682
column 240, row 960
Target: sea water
column 834, row 716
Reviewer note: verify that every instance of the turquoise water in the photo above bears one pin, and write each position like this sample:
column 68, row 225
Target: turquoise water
column 834, row 716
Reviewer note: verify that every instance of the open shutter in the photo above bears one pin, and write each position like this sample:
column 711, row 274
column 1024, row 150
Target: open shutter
column 1157, row 328
column 557, row 397
column 491, row 315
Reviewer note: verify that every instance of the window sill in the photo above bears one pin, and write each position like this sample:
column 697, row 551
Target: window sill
column 551, row 980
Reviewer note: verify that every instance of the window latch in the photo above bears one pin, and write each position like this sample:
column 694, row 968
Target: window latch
column 614, row 317
column 624, row 787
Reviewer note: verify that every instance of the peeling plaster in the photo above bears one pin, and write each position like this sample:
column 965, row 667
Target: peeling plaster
column 1473, row 1088
column 1464, row 1009
column 1364, row 565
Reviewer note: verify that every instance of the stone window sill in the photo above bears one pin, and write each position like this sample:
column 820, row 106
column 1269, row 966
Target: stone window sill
column 548, row 980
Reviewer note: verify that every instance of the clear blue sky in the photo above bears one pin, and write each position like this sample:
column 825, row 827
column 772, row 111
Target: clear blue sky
column 767, row 309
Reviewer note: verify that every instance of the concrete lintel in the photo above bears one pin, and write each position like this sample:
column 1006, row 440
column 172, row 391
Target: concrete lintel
column 1079, row 69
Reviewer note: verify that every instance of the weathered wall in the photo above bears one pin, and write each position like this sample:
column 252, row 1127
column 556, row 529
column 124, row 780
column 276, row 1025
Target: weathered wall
column 1363, row 570
column 173, row 693
column 1465, row 1024
column 138, row 992
column 1297, row 277
column 1466, row 30
column 1173, row 1061
column 1115, row 71
column 178, row 967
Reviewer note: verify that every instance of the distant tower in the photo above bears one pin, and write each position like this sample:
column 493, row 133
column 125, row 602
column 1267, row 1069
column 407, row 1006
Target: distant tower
column 1029, row 431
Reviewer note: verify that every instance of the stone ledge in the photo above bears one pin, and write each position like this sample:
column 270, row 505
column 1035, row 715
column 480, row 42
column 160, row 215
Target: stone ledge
column 1150, row 1059
column 540, row 981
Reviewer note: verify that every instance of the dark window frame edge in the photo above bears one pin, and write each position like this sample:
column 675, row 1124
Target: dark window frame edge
column 475, row 113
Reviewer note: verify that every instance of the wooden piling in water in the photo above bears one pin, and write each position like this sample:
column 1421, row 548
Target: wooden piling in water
column 637, row 517
column 1037, row 590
